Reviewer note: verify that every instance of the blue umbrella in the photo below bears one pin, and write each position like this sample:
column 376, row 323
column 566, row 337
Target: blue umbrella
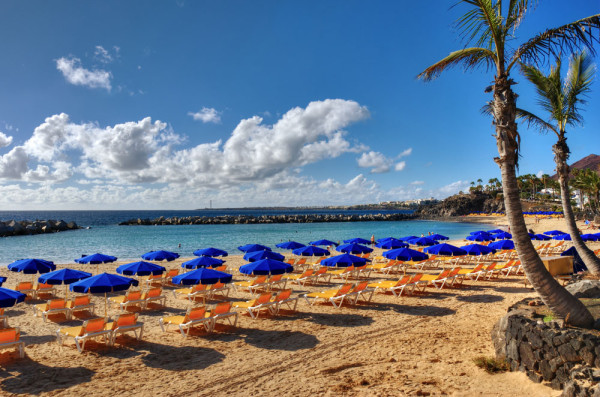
column 391, row 244
column 140, row 268
column 310, row 250
column 344, row 260
column 103, row 283
column 381, row 240
column 63, row 276
column 254, row 247
column 503, row 236
column 554, row 233
column 96, row 259
column 202, row 276
column 290, row 245
column 541, row 237
column 357, row 240
column 438, row 237
column 323, row 242
column 590, row 237
column 210, row 252
column 502, row 245
column 160, row 256
column 203, row 261
column 478, row 232
column 445, row 249
column 266, row 266
column 9, row 297
column 481, row 237
column 478, row 249
column 405, row 254
column 32, row 266
column 258, row 255
column 495, row 231
column 422, row 241
column 407, row 238
column 354, row 248
column 2, row 280
column 565, row 236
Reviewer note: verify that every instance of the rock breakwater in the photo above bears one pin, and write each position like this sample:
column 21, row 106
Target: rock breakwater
column 19, row 228
column 249, row 219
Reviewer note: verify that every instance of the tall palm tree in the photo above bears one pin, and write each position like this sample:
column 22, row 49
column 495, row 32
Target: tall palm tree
column 490, row 25
column 588, row 182
column 562, row 101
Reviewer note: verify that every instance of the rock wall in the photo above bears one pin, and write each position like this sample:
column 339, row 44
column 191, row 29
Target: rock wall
column 17, row 228
column 564, row 358
column 461, row 204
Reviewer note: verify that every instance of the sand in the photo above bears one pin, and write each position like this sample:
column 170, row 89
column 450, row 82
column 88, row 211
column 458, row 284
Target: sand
column 417, row 345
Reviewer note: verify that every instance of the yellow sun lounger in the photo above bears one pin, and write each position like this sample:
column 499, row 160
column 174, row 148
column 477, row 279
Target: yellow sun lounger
column 192, row 292
column 194, row 316
column 222, row 311
column 126, row 322
column 3, row 318
column 254, row 306
column 132, row 298
column 359, row 291
column 283, row 298
column 9, row 337
column 251, row 285
column 436, row 280
column 53, row 306
column 154, row 295
column 300, row 278
column 331, row 295
column 81, row 303
column 26, row 287
column 395, row 287
column 44, row 289
column 92, row 328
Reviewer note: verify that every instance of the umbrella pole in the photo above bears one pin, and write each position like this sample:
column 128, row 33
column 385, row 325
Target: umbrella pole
column 105, row 305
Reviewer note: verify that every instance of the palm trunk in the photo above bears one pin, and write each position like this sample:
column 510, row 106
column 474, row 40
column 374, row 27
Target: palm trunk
column 561, row 155
column 558, row 299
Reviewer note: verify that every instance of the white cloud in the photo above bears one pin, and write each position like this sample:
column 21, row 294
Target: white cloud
column 206, row 115
column 405, row 153
column 417, row 183
column 378, row 162
column 102, row 55
column 540, row 173
column 400, row 166
column 5, row 140
column 75, row 74
column 13, row 164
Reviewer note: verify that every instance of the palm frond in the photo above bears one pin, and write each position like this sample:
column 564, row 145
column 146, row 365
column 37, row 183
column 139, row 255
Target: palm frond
column 534, row 121
column 572, row 37
column 482, row 25
column 577, row 85
column 548, row 93
column 516, row 12
column 470, row 58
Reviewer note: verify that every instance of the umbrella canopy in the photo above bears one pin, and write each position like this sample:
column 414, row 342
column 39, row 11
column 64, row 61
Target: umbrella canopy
column 202, row 276
column 565, row 236
column 203, row 261
column 495, row 231
column 406, row 254
column 2, row 280
column 210, row 252
column 310, row 250
column 407, row 238
column 590, row 237
column 258, row 255
column 481, row 237
column 503, row 236
column 478, row 249
column 554, row 233
column 438, row 237
column 102, row 283
column 391, row 243
column 96, row 259
column 140, row 268
column 502, row 245
column 357, row 240
column 445, row 249
column 478, row 232
column 344, row 260
column 32, row 266
column 63, row 276
column 541, row 237
column 160, row 255
column 323, row 242
column 422, row 241
column 9, row 297
column 290, row 245
column 254, row 247
column 354, row 248
column 381, row 240
column 266, row 266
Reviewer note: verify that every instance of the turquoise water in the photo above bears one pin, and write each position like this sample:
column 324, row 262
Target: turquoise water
column 129, row 242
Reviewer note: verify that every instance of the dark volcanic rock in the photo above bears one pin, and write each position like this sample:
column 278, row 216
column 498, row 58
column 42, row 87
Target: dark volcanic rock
column 461, row 204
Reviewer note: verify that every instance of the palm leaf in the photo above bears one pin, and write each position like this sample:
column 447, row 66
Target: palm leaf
column 534, row 121
column 481, row 24
column 516, row 12
column 470, row 58
column 577, row 85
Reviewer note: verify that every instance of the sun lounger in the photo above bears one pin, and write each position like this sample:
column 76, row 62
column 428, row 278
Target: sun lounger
column 154, row 295
column 436, row 280
column 251, row 285
column 218, row 288
column 360, row 291
column 53, row 306
column 92, row 328
column 194, row 316
column 222, row 311
column 283, row 298
column 26, row 287
column 169, row 276
column 302, row 278
column 126, row 322
column 154, row 280
column 44, row 289
column 81, row 303
column 254, row 306
column 342, row 273
column 9, row 337
column 321, row 273
column 191, row 293
column 387, row 267
column 396, row 287
column 481, row 273
column 332, row 295
column 3, row 318
column 221, row 268
column 276, row 281
column 132, row 298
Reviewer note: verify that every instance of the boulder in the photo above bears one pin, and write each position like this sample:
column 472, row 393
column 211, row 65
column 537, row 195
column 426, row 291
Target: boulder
column 585, row 289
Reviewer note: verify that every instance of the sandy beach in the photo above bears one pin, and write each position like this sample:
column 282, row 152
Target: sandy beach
column 415, row 345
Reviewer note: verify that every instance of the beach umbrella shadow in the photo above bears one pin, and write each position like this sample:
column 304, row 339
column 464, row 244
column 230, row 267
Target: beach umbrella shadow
column 35, row 378
column 174, row 358
column 430, row 311
column 281, row 340
column 341, row 320
column 480, row 298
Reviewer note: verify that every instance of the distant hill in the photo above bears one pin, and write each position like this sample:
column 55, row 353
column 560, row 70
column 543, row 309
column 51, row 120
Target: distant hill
column 591, row 162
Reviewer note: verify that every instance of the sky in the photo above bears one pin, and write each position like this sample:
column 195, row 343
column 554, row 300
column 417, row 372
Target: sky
column 177, row 104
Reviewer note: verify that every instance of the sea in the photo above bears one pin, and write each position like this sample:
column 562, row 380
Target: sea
column 101, row 233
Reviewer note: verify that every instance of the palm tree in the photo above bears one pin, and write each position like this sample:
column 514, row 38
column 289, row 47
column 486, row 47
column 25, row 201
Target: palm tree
column 588, row 181
column 490, row 26
column 562, row 100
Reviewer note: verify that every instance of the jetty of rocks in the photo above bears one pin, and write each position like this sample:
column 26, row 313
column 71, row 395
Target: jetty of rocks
column 19, row 228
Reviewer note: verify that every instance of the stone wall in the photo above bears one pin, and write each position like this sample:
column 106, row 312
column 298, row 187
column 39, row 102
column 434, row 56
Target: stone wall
column 18, row 228
column 563, row 358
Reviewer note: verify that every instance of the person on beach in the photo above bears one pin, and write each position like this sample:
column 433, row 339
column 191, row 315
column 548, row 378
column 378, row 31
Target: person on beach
column 372, row 239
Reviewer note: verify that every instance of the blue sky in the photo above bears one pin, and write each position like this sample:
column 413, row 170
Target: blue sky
column 148, row 104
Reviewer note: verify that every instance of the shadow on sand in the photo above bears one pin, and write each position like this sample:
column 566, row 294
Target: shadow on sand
column 480, row 298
